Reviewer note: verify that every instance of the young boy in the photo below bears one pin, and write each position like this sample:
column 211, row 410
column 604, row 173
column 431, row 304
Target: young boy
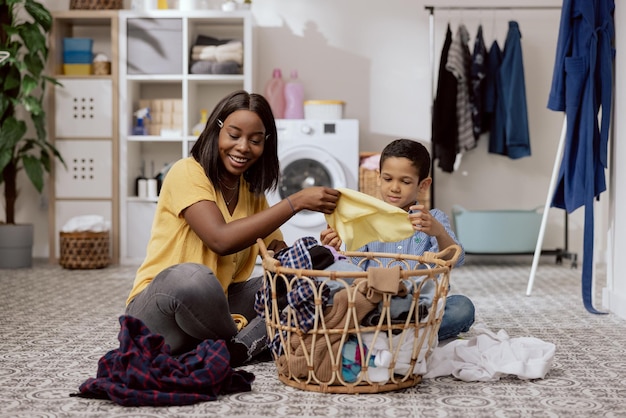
column 403, row 173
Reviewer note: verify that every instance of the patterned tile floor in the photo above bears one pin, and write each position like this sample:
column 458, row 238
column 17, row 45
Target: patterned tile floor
column 55, row 324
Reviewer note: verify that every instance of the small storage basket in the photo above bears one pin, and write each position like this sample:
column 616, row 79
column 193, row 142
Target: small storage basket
column 339, row 353
column 84, row 250
column 368, row 182
column 97, row 4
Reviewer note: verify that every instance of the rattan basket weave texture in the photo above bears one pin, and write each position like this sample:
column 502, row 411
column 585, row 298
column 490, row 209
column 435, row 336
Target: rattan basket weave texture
column 96, row 4
column 84, row 250
column 314, row 360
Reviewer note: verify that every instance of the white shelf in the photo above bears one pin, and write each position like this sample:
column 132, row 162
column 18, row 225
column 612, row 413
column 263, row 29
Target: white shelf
column 83, row 121
column 195, row 91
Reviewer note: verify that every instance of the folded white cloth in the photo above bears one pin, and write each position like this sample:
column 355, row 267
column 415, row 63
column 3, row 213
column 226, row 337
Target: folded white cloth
column 92, row 223
column 231, row 51
column 489, row 356
column 206, row 53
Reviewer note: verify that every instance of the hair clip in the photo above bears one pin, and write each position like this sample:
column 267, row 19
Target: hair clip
column 220, row 123
column 267, row 137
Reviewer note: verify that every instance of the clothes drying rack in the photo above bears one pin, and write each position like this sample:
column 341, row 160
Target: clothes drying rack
column 560, row 254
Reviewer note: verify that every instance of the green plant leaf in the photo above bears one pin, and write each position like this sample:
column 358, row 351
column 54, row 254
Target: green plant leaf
column 34, row 171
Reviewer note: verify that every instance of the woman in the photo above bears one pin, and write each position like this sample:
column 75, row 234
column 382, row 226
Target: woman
column 194, row 283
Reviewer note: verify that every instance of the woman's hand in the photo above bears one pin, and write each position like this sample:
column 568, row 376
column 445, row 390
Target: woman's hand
column 317, row 198
column 330, row 237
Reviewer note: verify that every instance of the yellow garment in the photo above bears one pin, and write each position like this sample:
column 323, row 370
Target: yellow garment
column 172, row 241
column 360, row 219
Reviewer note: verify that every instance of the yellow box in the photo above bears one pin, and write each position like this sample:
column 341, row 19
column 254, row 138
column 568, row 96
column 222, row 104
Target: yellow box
column 77, row 69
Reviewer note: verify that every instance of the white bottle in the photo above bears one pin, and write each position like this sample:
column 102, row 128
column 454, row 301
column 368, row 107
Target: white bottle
column 294, row 97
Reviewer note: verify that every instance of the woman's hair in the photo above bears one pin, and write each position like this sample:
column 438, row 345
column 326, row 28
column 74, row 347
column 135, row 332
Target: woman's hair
column 264, row 173
column 413, row 150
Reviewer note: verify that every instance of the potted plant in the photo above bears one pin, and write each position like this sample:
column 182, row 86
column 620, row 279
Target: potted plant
column 24, row 28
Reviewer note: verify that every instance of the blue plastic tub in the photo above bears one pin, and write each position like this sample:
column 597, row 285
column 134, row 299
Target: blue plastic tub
column 77, row 44
column 497, row 231
column 77, row 57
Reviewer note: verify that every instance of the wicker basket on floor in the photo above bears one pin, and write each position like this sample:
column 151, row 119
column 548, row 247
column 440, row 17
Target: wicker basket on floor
column 84, row 250
column 314, row 359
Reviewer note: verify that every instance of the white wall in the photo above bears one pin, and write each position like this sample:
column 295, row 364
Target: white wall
column 375, row 57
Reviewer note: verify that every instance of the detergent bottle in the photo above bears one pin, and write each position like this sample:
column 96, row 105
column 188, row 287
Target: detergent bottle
column 294, row 97
column 275, row 94
column 140, row 127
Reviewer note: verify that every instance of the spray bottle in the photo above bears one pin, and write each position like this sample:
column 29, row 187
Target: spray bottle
column 140, row 127
column 199, row 127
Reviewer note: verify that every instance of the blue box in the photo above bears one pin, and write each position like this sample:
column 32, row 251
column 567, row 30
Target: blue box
column 77, row 57
column 77, row 44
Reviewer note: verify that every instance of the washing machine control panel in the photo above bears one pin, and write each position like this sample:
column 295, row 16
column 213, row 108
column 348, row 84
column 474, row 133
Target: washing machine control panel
column 297, row 129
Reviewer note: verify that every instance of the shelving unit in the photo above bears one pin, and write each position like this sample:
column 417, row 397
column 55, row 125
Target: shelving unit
column 163, row 73
column 83, row 125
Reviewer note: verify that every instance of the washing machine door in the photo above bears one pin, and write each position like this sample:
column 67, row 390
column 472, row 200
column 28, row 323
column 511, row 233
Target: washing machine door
column 303, row 167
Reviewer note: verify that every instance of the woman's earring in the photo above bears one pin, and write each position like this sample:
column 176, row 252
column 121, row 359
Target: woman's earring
column 220, row 123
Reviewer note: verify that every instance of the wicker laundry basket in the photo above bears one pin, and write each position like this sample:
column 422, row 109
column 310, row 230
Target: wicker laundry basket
column 84, row 250
column 314, row 359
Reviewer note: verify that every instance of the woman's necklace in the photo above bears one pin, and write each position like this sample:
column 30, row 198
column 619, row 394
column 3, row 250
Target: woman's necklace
column 234, row 189
column 226, row 186
column 235, row 193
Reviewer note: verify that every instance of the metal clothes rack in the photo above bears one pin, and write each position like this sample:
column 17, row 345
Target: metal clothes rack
column 560, row 253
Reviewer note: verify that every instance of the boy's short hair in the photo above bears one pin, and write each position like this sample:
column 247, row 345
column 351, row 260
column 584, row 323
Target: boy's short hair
column 413, row 150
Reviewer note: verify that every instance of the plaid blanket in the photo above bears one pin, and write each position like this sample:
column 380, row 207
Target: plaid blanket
column 143, row 372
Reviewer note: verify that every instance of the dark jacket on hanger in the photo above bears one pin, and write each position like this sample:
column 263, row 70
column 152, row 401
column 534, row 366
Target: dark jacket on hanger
column 478, row 74
column 444, row 124
column 493, row 88
column 517, row 138
column 581, row 83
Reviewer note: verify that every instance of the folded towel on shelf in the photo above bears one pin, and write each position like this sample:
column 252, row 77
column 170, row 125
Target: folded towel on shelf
column 231, row 51
column 213, row 67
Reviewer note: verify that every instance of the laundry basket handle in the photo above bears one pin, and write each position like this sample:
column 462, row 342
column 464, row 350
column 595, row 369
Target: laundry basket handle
column 450, row 255
column 267, row 256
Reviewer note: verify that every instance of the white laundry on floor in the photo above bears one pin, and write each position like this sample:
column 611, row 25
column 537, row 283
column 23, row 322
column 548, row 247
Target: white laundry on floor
column 489, row 356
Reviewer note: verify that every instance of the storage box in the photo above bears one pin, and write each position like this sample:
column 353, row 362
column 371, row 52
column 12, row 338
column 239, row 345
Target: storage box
column 155, row 46
column 84, row 250
column 77, row 57
column 497, row 231
column 77, row 69
column 323, row 109
column 77, row 44
column 77, row 50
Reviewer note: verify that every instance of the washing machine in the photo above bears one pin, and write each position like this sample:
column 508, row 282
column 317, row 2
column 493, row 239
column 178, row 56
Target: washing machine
column 314, row 153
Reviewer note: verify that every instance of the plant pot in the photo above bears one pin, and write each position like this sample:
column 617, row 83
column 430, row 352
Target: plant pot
column 16, row 246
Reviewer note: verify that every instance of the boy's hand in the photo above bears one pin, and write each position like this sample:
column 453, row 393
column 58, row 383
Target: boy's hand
column 423, row 221
column 330, row 237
